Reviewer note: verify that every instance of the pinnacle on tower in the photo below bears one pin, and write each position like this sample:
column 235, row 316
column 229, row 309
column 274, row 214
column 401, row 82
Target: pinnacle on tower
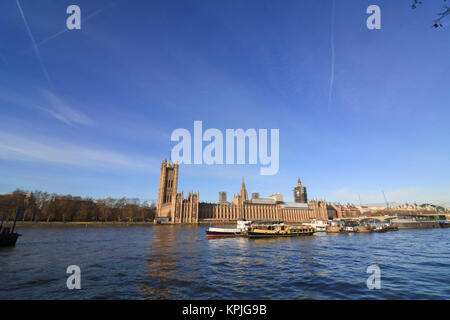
column 243, row 193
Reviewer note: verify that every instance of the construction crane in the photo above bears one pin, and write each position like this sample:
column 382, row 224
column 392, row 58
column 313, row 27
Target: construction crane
column 387, row 203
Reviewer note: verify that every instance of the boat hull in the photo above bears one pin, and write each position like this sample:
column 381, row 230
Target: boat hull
column 276, row 235
column 334, row 229
column 8, row 240
column 221, row 234
column 363, row 229
column 391, row 228
column 416, row 224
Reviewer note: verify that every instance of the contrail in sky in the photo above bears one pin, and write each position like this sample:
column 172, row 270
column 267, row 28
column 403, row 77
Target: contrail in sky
column 330, row 90
column 36, row 50
column 93, row 14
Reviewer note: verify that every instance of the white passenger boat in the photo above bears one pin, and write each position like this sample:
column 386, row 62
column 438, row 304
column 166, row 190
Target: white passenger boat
column 319, row 225
column 241, row 227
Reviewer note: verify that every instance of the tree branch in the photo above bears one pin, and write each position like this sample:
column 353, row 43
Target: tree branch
column 437, row 22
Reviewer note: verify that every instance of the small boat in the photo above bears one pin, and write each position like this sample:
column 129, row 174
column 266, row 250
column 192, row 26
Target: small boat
column 319, row 225
column 242, row 226
column 362, row 229
column 8, row 237
column 349, row 228
column 335, row 227
column 379, row 229
column 390, row 227
column 385, row 227
column 320, row 228
column 444, row 224
column 279, row 230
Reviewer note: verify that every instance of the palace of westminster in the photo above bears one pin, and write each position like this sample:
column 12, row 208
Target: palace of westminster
column 173, row 207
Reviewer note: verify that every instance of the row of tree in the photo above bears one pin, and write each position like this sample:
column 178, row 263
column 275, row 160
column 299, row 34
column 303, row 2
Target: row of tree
column 43, row 206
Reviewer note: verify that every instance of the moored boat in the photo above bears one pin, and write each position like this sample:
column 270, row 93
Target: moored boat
column 382, row 227
column 415, row 222
column 379, row 227
column 241, row 227
column 362, row 229
column 350, row 227
column 319, row 225
column 8, row 237
column 390, row 227
column 335, row 227
column 444, row 224
column 279, row 230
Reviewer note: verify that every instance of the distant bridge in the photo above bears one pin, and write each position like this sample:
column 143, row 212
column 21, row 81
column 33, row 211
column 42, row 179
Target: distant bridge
column 436, row 216
column 364, row 218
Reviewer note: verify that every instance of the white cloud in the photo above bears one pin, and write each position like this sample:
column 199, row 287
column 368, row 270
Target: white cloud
column 61, row 111
column 34, row 149
column 50, row 104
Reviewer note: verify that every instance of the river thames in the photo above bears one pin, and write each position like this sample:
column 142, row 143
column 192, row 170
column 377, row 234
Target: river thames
column 177, row 262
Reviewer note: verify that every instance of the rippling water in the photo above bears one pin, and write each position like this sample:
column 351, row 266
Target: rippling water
column 177, row 262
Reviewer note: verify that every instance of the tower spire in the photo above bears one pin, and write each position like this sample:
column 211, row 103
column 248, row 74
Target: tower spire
column 243, row 192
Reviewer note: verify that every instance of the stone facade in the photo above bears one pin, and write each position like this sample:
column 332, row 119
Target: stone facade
column 346, row 211
column 174, row 208
column 167, row 192
column 222, row 197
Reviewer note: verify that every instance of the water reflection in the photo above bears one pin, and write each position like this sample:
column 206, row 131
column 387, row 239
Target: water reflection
column 161, row 264
column 170, row 267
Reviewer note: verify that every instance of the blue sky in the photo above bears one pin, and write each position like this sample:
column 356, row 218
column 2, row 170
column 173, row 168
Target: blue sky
column 91, row 111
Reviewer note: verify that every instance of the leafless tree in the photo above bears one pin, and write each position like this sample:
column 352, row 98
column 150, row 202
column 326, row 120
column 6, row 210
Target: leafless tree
column 41, row 206
column 441, row 15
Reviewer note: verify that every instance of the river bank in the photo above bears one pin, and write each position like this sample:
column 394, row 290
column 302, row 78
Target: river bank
column 21, row 224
